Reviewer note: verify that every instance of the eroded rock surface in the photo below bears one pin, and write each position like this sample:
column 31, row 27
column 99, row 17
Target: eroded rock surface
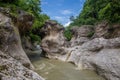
column 11, row 42
column 99, row 51
column 107, row 30
column 81, row 34
column 14, row 63
column 99, row 54
column 11, row 69
column 53, row 41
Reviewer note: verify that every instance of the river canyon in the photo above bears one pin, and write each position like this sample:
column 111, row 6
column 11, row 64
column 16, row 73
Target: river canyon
column 84, row 57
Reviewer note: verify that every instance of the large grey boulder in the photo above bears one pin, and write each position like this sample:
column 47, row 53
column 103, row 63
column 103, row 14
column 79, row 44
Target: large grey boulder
column 99, row 54
column 106, row 63
column 53, row 41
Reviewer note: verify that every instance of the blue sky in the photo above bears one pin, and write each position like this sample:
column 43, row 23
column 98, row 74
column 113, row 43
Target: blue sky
column 61, row 10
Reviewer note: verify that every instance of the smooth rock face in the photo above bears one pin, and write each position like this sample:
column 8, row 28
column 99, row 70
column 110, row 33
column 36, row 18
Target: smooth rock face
column 99, row 54
column 54, row 40
column 106, row 63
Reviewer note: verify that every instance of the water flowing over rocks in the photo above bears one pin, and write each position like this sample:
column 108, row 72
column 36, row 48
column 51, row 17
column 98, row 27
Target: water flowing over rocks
column 99, row 51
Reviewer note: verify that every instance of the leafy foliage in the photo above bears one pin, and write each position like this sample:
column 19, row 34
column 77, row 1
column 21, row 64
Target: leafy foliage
column 68, row 34
column 98, row 10
column 38, row 22
column 35, row 37
column 30, row 6
column 8, row 1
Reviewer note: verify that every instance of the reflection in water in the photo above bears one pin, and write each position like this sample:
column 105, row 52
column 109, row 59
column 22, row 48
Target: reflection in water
column 58, row 70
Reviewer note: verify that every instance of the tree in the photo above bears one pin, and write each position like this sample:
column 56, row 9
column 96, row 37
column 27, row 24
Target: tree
column 8, row 1
column 31, row 7
column 97, row 10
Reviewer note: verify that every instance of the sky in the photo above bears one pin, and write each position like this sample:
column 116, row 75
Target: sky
column 61, row 10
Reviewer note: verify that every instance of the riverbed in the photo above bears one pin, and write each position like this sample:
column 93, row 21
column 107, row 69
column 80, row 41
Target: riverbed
column 58, row 70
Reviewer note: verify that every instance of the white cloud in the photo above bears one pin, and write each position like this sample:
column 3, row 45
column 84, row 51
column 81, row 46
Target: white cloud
column 65, row 12
column 60, row 18
column 67, row 24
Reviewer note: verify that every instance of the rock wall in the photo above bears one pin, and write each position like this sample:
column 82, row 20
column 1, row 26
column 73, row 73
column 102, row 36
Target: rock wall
column 11, row 42
column 14, row 63
column 53, row 41
column 81, row 34
column 99, row 54
column 106, row 30
column 99, row 51
column 12, row 69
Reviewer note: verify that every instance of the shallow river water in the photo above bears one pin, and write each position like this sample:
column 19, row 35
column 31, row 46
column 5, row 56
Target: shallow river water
column 58, row 70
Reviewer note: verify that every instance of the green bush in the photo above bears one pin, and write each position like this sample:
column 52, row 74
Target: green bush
column 68, row 34
column 35, row 38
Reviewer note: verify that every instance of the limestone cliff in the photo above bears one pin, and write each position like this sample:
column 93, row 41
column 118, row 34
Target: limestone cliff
column 99, row 51
column 53, row 41
column 14, row 63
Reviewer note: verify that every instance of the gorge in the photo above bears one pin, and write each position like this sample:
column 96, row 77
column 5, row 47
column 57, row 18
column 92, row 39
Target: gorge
column 34, row 47
column 98, row 52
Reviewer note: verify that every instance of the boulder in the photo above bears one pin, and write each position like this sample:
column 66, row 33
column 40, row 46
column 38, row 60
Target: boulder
column 12, row 69
column 99, row 54
column 11, row 42
column 53, row 42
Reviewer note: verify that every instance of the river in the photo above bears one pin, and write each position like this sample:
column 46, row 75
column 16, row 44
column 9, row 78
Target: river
column 58, row 70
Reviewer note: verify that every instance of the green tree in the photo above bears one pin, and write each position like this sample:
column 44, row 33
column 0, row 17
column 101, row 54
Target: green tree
column 97, row 10
column 31, row 7
column 68, row 34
